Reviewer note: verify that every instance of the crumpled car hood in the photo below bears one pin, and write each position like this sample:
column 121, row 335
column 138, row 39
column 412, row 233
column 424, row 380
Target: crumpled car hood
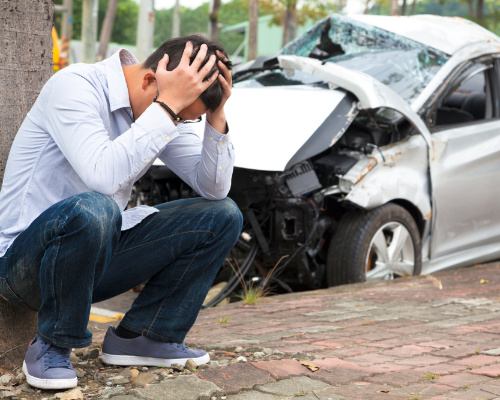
column 270, row 124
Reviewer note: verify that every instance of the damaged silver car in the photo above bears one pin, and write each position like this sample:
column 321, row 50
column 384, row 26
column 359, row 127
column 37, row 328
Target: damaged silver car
column 369, row 148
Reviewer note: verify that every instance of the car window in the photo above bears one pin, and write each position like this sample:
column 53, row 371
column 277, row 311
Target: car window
column 468, row 100
column 402, row 64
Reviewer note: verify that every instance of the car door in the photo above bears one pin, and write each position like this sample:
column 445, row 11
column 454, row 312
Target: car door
column 465, row 168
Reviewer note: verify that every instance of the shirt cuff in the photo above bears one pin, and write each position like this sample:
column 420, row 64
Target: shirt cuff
column 210, row 132
column 159, row 127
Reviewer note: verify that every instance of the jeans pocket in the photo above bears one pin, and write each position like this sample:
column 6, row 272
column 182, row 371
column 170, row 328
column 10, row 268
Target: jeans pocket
column 8, row 294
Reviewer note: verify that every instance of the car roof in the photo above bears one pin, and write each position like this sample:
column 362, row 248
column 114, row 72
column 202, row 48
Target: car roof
column 447, row 34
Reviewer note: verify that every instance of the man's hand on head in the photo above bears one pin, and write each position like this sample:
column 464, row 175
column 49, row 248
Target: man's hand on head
column 217, row 118
column 180, row 87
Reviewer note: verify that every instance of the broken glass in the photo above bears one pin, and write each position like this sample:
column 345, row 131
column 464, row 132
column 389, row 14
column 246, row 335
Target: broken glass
column 404, row 65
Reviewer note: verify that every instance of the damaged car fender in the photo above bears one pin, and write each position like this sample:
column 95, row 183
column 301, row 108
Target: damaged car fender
column 401, row 175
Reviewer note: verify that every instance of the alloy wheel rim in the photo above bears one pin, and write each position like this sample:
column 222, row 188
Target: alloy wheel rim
column 391, row 253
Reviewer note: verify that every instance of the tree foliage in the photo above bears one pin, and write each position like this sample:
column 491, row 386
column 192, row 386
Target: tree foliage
column 124, row 28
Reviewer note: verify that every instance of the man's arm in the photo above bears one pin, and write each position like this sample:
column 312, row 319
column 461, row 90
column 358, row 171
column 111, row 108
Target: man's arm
column 73, row 119
column 207, row 165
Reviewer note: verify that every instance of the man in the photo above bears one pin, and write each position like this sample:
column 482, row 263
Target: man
column 65, row 240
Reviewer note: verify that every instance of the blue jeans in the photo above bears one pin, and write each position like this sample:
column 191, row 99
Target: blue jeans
column 75, row 254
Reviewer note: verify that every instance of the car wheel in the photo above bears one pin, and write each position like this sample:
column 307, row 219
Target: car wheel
column 383, row 243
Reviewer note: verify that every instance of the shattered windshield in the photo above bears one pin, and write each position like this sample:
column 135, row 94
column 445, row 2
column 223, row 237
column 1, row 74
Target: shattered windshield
column 402, row 64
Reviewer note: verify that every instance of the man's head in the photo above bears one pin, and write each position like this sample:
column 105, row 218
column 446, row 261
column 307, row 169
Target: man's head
column 212, row 97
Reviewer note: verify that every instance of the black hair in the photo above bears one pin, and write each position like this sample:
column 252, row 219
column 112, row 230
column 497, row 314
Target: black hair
column 211, row 97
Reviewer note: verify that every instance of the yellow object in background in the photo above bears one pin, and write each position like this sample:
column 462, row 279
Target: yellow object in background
column 55, row 50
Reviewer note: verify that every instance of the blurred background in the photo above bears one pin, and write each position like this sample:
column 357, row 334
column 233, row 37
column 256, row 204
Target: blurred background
column 90, row 30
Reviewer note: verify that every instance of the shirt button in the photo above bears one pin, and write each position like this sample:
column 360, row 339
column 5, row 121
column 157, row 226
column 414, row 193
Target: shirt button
column 167, row 138
column 211, row 138
column 220, row 143
column 146, row 160
column 220, row 168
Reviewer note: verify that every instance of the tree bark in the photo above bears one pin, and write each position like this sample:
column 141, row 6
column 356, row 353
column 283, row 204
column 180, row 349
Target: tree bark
column 480, row 10
column 107, row 29
column 214, row 19
column 413, row 4
column 253, row 21
column 470, row 3
column 403, row 8
column 394, row 7
column 290, row 23
column 176, row 21
column 25, row 65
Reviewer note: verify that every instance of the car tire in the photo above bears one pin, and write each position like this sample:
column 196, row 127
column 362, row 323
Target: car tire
column 382, row 243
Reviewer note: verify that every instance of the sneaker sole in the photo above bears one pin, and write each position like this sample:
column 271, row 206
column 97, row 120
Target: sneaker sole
column 150, row 361
column 49, row 383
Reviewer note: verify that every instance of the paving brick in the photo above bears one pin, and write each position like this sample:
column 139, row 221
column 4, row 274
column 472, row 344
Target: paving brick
column 441, row 369
column 401, row 378
column 476, row 360
column 235, row 377
column 489, row 370
column 290, row 387
column 335, row 363
column 340, row 375
column 424, row 390
column 371, row 359
column 459, row 351
column 389, row 367
column 281, row 369
column 421, row 361
column 407, row 351
column 459, row 380
column 361, row 390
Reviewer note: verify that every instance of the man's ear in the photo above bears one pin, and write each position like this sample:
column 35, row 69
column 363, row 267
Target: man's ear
column 149, row 78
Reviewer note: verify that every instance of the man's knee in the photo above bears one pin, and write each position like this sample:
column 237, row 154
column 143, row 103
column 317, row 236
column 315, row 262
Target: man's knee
column 94, row 211
column 229, row 216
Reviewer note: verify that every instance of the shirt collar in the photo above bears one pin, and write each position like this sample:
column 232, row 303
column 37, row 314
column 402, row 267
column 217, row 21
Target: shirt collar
column 117, row 85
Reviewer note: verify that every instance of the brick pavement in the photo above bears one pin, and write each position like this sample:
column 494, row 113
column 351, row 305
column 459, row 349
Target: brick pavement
column 402, row 339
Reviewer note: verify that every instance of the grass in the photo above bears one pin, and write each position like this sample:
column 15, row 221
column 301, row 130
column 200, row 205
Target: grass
column 414, row 396
column 432, row 376
column 251, row 294
column 223, row 319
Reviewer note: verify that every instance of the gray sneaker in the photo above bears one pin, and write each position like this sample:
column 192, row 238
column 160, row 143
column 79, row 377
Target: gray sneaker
column 48, row 367
column 147, row 352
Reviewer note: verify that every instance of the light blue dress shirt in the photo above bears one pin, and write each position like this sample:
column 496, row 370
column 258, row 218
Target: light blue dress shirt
column 80, row 136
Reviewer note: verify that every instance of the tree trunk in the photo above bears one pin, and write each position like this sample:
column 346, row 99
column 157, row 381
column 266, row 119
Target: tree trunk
column 290, row 23
column 394, row 7
column 413, row 4
column 107, row 29
column 25, row 65
column 176, row 21
column 470, row 3
column 214, row 19
column 403, row 8
column 253, row 21
column 480, row 10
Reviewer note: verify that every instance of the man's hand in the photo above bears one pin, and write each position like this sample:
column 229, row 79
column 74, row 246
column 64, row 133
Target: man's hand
column 180, row 87
column 217, row 118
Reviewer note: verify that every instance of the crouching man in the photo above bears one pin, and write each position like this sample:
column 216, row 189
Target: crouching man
column 65, row 239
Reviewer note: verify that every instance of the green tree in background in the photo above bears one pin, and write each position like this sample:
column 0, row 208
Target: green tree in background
column 124, row 28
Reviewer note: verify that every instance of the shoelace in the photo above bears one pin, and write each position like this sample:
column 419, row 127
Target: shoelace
column 55, row 356
column 182, row 347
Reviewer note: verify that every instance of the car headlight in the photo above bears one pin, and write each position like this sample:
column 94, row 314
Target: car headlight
column 345, row 186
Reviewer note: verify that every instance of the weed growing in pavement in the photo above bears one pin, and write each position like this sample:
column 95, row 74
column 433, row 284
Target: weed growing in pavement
column 414, row 396
column 478, row 351
column 432, row 376
column 223, row 319
column 251, row 294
